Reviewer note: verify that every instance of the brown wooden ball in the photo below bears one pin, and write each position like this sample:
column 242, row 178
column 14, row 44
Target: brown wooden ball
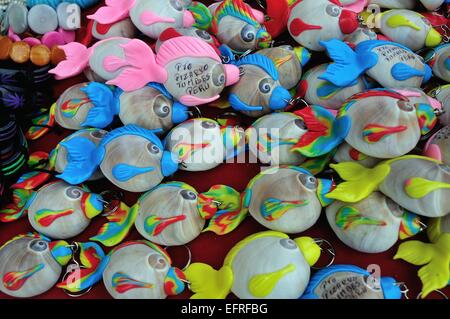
column 5, row 47
column 40, row 55
column 20, row 52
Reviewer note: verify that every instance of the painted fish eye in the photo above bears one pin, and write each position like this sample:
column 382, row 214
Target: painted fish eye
column 208, row 124
column 405, row 106
column 445, row 168
column 176, row 5
column 308, row 181
column 73, row 192
column 248, row 33
column 219, row 80
column 299, row 123
column 188, row 195
column 288, row 243
column 218, row 76
column 157, row 262
column 153, row 149
column 99, row 134
column 38, row 245
column 333, row 10
column 203, row 35
column 264, row 86
column 161, row 109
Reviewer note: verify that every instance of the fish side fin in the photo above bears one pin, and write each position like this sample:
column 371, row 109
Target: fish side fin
column 41, row 125
column 433, row 151
column 114, row 11
column 104, row 110
column 208, row 283
column 359, row 181
column 77, row 59
column 238, row 105
column 417, row 187
column 402, row 72
column 348, row 65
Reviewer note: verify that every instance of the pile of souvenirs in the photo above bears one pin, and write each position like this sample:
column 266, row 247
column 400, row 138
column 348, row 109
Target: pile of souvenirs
column 351, row 111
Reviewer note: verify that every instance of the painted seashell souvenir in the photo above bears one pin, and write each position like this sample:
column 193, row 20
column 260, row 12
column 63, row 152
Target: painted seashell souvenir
column 442, row 94
column 419, row 184
column 259, row 90
column 439, row 60
column 130, row 157
column 372, row 225
column 151, row 17
column 289, row 62
column 122, row 29
column 95, row 105
column 384, row 124
column 350, row 282
column 238, row 26
column 265, row 265
column 191, row 32
column 408, row 28
column 388, row 63
column 312, row 21
column 202, row 144
column 438, row 145
column 31, row 264
column 317, row 91
column 189, row 68
column 346, row 153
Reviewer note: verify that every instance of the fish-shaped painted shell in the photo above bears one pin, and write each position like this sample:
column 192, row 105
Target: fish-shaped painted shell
column 321, row 92
column 189, row 68
column 350, row 282
column 95, row 105
column 259, row 90
column 289, row 62
column 419, row 184
column 346, row 153
column 202, row 144
column 130, row 157
column 265, row 265
column 408, row 28
column 372, row 225
column 312, row 21
column 59, row 155
column 434, row 257
column 384, row 124
column 31, row 264
column 438, row 145
column 389, row 63
column 236, row 25
column 442, row 94
column 191, row 32
column 151, row 17
column 123, row 29
column 439, row 60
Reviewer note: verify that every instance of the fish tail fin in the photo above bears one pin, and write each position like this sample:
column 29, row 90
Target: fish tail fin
column 201, row 14
column 34, row 179
column 208, row 283
column 136, row 72
column 434, row 276
column 415, row 252
column 82, row 160
column 114, row 11
column 118, row 226
column 104, row 110
column 77, row 59
column 316, row 165
column 41, row 124
column 18, row 208
column 222, row 205
column 347, row 66
column 359, row 181
column 324, row 131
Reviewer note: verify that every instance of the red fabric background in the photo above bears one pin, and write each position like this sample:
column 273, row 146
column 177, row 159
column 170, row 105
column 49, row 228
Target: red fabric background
column 208, row 247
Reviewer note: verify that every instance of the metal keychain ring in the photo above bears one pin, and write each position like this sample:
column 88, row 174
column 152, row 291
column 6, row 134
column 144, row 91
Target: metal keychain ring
column 330, row 249
column 189, row 256
column 439, row 292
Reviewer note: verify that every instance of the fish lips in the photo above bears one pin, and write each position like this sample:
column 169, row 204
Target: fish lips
column 348, row 21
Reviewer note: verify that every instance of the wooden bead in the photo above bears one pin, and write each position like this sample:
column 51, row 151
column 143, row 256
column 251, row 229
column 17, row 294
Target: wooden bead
column 40, row 55
column 5, row 47
column 20, row 52
column 57, row 55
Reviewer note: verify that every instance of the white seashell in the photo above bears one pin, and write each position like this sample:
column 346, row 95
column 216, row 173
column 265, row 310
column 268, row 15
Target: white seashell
column 320, row 92
column 284, row 130
column 176, row 205
column 374, row 229
column 346, row 153
column 124, row 28
column 441, row 62
column 442, row 94
column 27, row 267
column 284, row 200
column 59, row 210
column 432, row 5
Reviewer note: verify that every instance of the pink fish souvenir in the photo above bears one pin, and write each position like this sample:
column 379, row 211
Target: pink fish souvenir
column 438, row 145
column 189, row 68
column 346, row 153
column 442, row 94
column 287, row 138
column 388, row 63
column 372, row 225
column 312, row 21
column 130, row 157
column 238, row 26
column 31, row 264
column 384, row 123
column 317, row 91
column 202, row 144
column 96, row 105
column 439, row 60
column 152, row 17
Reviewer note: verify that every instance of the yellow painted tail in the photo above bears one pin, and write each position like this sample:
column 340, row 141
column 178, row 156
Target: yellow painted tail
column 208, row 283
